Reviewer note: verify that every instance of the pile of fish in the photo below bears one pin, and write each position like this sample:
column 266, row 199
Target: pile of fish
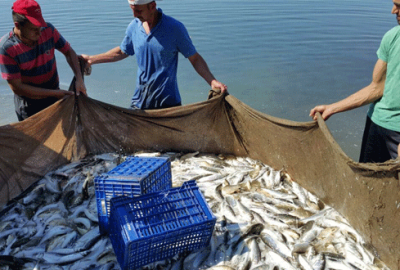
column 264, row 221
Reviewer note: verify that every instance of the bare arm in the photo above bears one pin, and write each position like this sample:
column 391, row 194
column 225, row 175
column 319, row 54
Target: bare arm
column 202, row 69
column 73, row 62
column 112, row 55
column 25, row 90
column 366, row 95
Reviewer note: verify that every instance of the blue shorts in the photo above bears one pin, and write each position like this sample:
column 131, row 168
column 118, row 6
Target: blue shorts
column 378, row 144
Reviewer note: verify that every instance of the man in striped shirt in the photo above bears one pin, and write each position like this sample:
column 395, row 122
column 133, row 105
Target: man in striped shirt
column 28, row 63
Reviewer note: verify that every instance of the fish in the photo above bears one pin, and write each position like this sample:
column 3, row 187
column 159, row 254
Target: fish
column 55, row 231
column 273, row 258
column 255, row 251
column 265, row 220
column 53, row 258
column 197, row 259
column 304, row 263
column 272, row 240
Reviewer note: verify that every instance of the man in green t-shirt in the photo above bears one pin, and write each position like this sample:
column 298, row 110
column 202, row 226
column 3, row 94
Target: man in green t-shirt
column 381, row 139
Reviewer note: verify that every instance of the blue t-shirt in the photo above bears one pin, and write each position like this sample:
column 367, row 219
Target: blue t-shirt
column 157, row 59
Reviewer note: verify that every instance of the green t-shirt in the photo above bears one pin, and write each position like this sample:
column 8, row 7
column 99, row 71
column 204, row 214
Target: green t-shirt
column 385, row 112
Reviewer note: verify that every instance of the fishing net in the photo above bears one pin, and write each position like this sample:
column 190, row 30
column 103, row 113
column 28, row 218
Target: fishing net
column 368, row 195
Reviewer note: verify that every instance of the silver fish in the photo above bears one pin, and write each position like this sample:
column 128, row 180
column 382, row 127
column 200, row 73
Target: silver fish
column 63, row 259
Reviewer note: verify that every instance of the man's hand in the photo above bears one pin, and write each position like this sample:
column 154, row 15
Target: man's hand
column 218, row 85
column 88, row 64
column 60, row 93
column 86, row 58
column 80, row 87
column 324, row 110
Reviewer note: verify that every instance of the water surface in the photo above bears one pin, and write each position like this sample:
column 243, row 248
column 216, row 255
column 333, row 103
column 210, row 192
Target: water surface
column 280, row 57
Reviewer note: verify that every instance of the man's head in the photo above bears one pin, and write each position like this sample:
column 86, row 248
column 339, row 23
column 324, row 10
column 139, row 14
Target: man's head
column 396, row 9
column 31, row 10
column 28, row 20
column 140, row 2
column 144, row 10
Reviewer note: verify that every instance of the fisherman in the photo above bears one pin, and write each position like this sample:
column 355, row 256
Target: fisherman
column 381, row 137
column 156, row 39
column 28, row 62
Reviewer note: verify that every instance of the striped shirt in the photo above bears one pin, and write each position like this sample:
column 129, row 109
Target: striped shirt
column 36, row 65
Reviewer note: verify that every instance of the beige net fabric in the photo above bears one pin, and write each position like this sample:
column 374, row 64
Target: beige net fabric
column 368, row 195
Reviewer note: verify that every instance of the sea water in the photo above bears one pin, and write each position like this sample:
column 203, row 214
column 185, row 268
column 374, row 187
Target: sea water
column 280, row 57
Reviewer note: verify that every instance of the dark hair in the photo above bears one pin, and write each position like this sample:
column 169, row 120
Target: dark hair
column 19, row 18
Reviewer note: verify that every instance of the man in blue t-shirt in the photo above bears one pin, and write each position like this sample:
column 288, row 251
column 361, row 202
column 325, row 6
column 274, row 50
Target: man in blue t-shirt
column 156, row 39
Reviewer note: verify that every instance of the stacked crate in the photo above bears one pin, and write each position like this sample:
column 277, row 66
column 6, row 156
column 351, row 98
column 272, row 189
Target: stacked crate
column 159, row 225
column 136, row 176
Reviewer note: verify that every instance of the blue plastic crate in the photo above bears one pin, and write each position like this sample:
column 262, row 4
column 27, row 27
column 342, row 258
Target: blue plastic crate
column 136, row 176
column 157, row 226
